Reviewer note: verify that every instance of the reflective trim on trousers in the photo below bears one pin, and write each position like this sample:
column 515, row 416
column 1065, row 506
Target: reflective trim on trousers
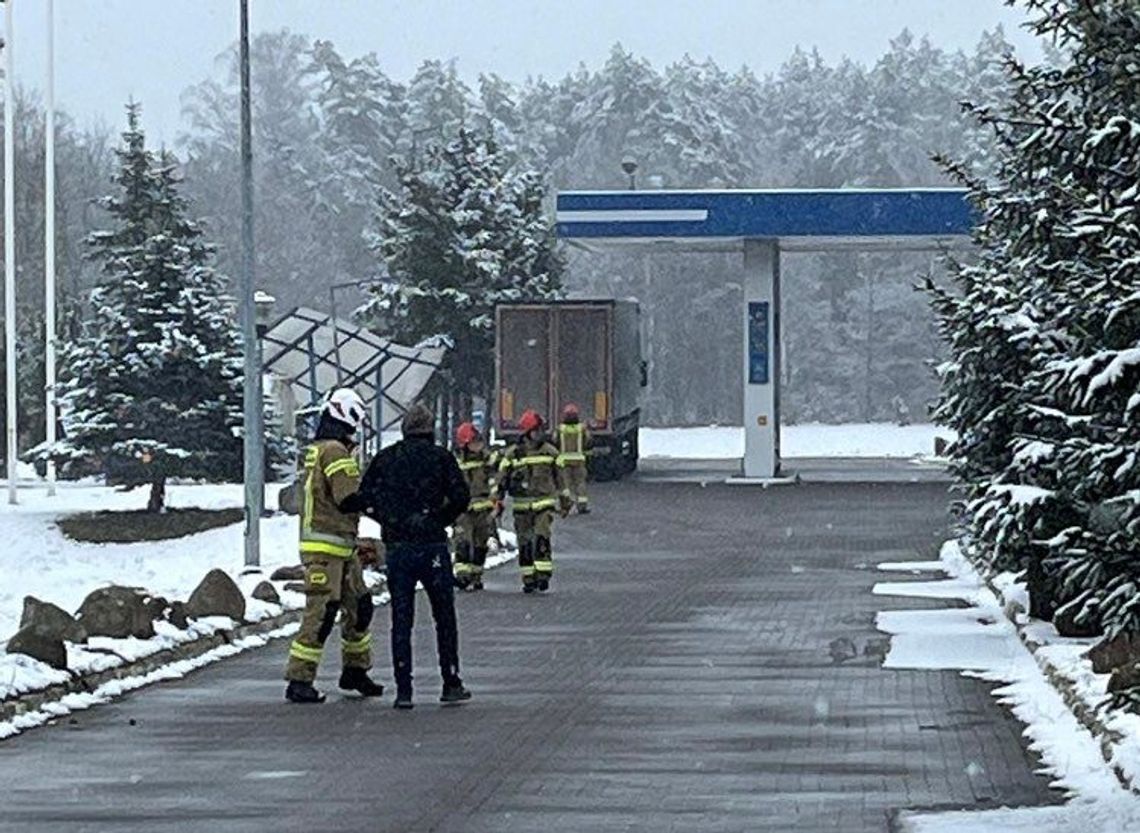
column 304, row 652
column 537, row 505
column 527, row 571
column 544, row 567
column 481, row 506
column 570, row 458
column 356, row 646
column 325, row 548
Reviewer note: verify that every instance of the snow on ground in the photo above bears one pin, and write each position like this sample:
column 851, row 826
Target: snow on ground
column 980, row 641
column 42, row 562
column 716, row 442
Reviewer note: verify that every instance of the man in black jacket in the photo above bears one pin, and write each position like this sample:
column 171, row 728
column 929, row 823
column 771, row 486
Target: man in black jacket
column 416, row 490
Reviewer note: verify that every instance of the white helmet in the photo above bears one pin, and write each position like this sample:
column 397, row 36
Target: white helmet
column 345, row 405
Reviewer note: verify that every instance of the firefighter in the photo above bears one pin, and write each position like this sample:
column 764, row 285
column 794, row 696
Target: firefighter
column 530, row 474
column 334, row 581
column 476, row 527
column 573, row 440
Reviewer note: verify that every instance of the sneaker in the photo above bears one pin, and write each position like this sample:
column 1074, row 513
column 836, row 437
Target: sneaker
column 403, row 701
column 357, row 679
column 299, row 692
column 454, row 693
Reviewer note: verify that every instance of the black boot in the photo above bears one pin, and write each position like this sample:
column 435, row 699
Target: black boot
column 543, row 584
column 403, row 699
column 357, row 679
column 454, row 692
column 299, row 692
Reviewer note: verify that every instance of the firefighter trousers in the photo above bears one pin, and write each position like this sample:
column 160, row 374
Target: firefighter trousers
column 534, row 529
column 574, row 478
column 470, row 538
column 332, row 585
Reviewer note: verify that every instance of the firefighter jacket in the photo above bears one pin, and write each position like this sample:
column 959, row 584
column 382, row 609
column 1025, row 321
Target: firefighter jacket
column 529, row 473
column 331, row 475
column 479, row 472
column 573, row 440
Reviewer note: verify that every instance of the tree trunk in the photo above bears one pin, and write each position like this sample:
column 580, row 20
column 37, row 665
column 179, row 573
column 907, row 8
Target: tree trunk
column 157, row 500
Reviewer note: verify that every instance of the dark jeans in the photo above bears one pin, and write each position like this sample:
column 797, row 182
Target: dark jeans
column 429, row 564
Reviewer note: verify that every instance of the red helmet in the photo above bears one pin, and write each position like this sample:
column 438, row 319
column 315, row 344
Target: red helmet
column 530, row 421
column 570, row 412
column 466, row 433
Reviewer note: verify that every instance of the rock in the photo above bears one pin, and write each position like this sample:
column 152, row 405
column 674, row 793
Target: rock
column 120, row 612
column 1042, row 590
column 295, row 587
column 55, row 619
column 842, row 649
column 266, row 592
column 176, row 615
column 294, row 572
column 39, row 642
column 1065, row 621
column 1124, row 649
column 216, row 595
column 287, row 499
column 1122, row 679
column 877, row 648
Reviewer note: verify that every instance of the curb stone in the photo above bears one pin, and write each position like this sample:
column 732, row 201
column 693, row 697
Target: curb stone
column 1086, row 714
column 30, row 701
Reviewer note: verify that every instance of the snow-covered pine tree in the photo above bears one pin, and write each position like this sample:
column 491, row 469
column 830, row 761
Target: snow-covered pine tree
column 1045, row 338
column 153, row 386
column 463, row 233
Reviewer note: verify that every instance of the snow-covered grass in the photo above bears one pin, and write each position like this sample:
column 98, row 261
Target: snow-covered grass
column 716, row 442
column 981, row 641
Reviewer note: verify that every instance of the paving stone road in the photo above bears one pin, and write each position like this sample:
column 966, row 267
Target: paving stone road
column 678, row 678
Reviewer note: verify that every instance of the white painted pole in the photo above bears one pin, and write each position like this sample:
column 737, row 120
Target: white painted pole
column 9, row 255
column 49, row 244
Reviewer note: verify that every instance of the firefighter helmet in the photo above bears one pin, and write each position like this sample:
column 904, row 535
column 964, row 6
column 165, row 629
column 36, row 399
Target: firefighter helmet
column 530, row 421
column 345, row 405
column 466, row 434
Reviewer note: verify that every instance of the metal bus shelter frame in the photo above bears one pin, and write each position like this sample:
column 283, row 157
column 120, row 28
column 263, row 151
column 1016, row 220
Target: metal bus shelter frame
column 311, row 351
column 760, row 225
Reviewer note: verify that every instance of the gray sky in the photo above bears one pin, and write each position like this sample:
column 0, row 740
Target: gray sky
column 110, row 50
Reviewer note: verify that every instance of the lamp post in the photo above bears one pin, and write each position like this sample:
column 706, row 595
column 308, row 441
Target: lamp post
column 49, row 247
column 629, row 165
column 253, row 417
column 9, row 258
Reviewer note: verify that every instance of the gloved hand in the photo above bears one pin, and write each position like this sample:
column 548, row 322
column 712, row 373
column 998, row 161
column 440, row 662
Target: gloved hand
column 368, row 551
column 565, row 503
column 499, row 508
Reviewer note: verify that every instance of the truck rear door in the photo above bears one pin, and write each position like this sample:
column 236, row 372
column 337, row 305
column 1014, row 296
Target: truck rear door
column 582, row 364
column 523, row 340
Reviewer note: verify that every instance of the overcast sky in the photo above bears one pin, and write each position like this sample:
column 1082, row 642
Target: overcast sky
column 110, row 50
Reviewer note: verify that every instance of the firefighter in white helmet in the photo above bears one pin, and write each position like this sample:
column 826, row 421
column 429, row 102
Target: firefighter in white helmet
column 331, row 554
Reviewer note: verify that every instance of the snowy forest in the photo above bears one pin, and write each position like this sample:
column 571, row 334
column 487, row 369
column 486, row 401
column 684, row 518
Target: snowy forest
column 332, row 131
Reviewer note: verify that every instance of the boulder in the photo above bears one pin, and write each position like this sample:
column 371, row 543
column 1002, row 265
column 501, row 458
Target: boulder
column 293, row 572
column 266, row 592
column 53, row 618
column 1122, row 679
column 1065, row 621
column 1121, row 650
column 176, row 615
column 216, row 595
column 120, row 612
column 287, row 499
column 40, row 643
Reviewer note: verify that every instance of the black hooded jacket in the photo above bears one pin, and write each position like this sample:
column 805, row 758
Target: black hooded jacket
column 414, row 489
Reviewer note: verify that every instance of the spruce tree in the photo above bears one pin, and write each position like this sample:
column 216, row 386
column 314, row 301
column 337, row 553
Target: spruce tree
column 153, row 385
column 1044, row 381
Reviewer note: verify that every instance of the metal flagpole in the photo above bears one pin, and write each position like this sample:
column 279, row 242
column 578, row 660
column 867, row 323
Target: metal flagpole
column 252, row 398
column 49, row 244
column 9, row 255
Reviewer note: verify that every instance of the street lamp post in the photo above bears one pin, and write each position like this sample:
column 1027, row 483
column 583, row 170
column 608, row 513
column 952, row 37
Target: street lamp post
column 252, row 422
column 49, row 247
column 9, row 257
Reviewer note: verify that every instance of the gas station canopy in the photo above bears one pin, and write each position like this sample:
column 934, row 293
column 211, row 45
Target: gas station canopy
column 761, row 225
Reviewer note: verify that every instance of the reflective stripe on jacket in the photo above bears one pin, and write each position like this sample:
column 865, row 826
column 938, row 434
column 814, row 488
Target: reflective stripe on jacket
column 331, row 474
